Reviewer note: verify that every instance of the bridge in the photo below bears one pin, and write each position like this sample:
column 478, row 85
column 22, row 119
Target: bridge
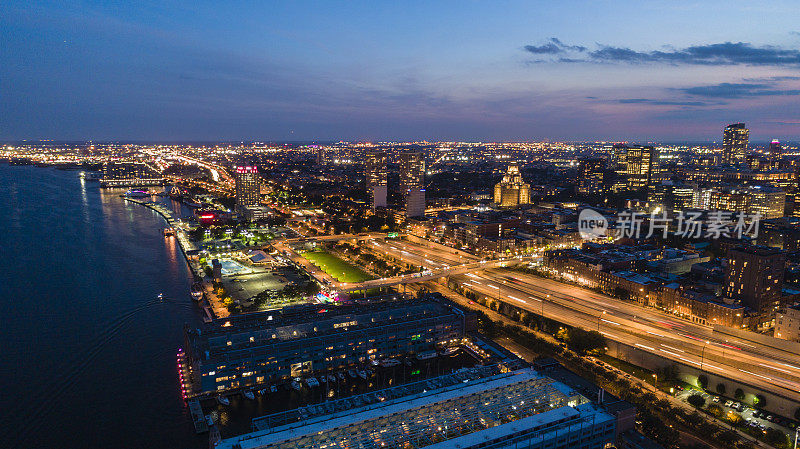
column 431, row 274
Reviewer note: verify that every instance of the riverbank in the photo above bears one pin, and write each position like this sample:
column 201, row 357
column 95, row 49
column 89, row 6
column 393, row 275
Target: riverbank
column 211, row 305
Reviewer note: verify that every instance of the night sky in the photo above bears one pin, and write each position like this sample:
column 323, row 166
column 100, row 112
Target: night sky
column 379, row 70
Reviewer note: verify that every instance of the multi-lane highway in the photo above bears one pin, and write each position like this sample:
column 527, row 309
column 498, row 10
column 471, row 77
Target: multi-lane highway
column 647, row 329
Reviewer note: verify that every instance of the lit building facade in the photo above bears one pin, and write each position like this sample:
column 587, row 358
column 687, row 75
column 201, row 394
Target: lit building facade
column 248, row 192
column 735, row 139
column 591, row 176
column 512, row 191
column 787, row 323
column 412, row 182
column 754, row 275
column 508, row 410
column 376, row 177
column 642, row 167
column 129, row 174
column 255, row 348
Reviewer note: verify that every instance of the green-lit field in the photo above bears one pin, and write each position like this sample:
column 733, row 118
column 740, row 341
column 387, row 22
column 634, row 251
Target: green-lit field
column 336, row 267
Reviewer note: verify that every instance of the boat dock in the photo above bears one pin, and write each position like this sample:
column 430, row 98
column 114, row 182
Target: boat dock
column 199, row 420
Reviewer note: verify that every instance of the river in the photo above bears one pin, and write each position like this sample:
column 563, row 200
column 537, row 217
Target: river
column 88, row 349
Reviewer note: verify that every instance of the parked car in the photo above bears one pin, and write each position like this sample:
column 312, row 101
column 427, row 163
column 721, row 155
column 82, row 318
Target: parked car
column 716, row 399
column 728, row 403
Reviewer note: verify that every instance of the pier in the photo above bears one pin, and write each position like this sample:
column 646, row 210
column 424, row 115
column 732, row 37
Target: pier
column 198, row 419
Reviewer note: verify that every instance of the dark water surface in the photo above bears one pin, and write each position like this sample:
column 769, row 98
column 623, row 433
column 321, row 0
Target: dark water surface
column 87, row 350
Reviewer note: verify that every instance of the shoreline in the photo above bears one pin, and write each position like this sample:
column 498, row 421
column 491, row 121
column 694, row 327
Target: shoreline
column 197, row 272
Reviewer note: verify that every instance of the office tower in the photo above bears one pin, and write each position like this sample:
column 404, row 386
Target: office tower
column 376, row 177
column 775, row 149
column 412, row 182
column 512, row 190
column 671, row 196
column 734, row 143
column 591, row 175
column 642, row 166
column 247, row 188
column 619, row 158
column 754, row 275
column 321, row 156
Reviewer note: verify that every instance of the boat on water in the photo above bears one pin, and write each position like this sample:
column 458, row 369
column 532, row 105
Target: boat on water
column 450, row 351
column 353, row 373
column 273, row 389
column 262, row 392
column 197, row 291
column 248, row 394
column 160, row 296
column 223, row 400
column 312, row 382
column 340, row 375
column 427, row 355
column 169, row 232
column 362, row 374
column 136, row 193
column 332, row 378
column 388, row 363
column 296, row 385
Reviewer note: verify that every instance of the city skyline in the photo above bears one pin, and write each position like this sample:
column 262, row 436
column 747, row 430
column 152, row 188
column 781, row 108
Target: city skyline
column 519, row 72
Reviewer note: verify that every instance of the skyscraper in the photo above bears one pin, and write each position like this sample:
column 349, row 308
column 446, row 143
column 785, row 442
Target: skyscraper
column 775, row 149
column 734, row 143
column 512, row 190
column 412, row 182
column 376, row 177
column 591, row 174
column 247, row 188
column 642, row 166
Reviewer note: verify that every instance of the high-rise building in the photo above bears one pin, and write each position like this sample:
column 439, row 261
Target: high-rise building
column 642, row 166
column 754, row 275
column 512, row 190
column 768, row 202
column 412, row 182
column 671, row 196
column 376, row 177
column 735, row 138
column 591, row 175
column 775, row 149
column 247, row 188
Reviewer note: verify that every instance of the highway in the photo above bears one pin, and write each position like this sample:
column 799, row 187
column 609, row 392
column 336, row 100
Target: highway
column 647, row 329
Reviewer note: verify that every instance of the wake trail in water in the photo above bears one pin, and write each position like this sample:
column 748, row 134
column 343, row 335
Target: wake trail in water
column 47, row 399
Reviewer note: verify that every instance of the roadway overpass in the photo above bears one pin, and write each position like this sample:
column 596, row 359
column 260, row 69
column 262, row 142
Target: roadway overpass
column 648, row 329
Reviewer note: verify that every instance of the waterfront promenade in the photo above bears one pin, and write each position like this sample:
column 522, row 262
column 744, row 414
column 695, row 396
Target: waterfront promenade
column 212, row 306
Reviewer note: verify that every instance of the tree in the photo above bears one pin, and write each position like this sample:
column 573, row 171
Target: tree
column 696, row 400
column 715, row 410
column 738, row 394
column 721, row 388
column 702, row 381
column 775, row 437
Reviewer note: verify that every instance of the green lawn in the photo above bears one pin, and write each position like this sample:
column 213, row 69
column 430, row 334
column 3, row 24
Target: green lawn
column 336, row 267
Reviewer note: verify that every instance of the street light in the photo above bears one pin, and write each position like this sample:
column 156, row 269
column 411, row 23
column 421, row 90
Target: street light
column 703, row 356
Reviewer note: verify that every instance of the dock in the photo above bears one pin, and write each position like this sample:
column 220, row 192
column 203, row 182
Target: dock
column 198, row 419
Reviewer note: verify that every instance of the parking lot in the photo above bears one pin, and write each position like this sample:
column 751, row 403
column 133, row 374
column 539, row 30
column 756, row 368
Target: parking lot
column 753, row 418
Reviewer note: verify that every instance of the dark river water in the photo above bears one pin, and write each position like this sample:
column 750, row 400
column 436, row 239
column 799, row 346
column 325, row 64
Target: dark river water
column 87, row 350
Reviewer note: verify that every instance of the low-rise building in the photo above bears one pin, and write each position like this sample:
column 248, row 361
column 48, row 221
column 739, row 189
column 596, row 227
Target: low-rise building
column 787, row 323
column 251, row 349
column 506, row 410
